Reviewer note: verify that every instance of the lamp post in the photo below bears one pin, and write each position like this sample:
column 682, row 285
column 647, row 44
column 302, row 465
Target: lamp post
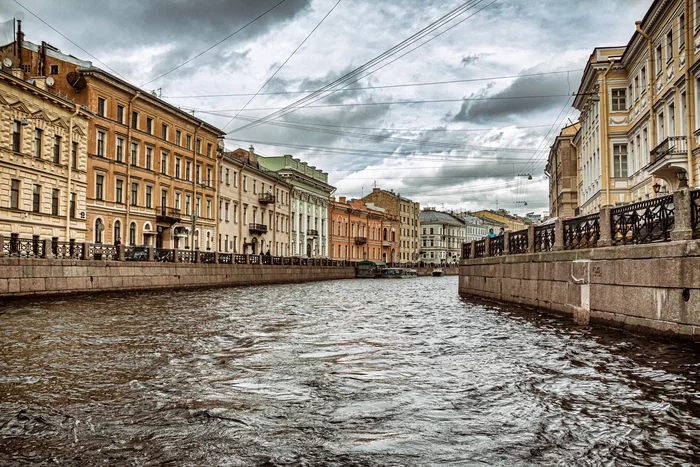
column 682, row 179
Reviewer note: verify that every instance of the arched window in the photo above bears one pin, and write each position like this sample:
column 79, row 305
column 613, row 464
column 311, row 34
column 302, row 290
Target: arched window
column 208, row 240
column 99, row 228
column 117, row 230
column 385, row 235
column 393, row 236
column 132, row 234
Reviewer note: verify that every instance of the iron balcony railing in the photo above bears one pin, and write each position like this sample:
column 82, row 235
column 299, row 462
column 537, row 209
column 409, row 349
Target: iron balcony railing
column 168, row 214
column 671, row 145
column 312, row 233
column 360, row 240
column 257, row 228
column 266, row 198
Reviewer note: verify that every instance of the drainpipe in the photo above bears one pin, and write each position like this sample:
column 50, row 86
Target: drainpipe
column 127, row 188
column 70, row 170
column 689, row 90
column 194, row 190
column 604, row 132
column 217, row 201
column 652, row 87
column 578, row 173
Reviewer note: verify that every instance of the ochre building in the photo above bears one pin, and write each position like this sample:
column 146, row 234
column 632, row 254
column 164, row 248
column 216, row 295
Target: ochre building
column 562, row 170
column 408, row 214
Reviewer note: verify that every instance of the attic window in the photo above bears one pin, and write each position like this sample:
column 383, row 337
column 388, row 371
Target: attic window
column 26, row 68
column 54, row 69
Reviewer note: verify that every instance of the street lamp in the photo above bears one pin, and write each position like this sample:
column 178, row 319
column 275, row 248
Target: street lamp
column 682, row 179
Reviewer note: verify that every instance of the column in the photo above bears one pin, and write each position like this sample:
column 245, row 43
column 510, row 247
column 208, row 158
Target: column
column 605, row 226
column 683, row 224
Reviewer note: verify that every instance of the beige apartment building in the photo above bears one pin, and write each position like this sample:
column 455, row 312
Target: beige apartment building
column 408, row 213
column 562, row 170
column 254, row 206
column 43, row 163
column 639, row 121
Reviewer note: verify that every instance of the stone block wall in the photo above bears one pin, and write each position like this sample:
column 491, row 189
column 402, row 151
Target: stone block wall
column 653, row 288
column 22, row 277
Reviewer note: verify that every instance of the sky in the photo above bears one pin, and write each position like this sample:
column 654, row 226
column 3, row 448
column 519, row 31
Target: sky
column 497, row 77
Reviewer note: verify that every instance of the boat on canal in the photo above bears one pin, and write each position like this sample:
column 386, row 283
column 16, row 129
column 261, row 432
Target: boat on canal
column 437, row 272
column 398, row 273
column 370, row 269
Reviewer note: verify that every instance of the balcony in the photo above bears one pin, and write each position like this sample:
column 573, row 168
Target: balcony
column 257, row 228
column 311, row 233
column 266, row 198
column 669, row 158
column 168, row 215
column 360, row 240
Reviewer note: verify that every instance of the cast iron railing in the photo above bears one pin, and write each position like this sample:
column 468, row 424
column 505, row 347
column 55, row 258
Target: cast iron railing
column 645, row 222
column 207, row 257
column 67, row 250
column 136, row 253
column 164, row 255
column 544, row 238
column 225, row 258
column 480, row 249
column 102, row 252
column 186, row 256
column 582, row 232
column 695, row 212
column 517, row 242
column 253, row 259
column 24, row 247
column 466, row 250
column 496, row 246
column 240, row 259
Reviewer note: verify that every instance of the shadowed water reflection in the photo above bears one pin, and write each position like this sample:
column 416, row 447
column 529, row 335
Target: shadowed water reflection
column 373, row 372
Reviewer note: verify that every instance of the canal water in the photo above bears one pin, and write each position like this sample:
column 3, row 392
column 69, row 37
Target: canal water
column 339, row 373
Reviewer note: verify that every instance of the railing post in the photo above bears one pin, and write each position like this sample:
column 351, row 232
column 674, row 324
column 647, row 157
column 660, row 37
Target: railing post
column 472, row 252
column 197, row 256
column 487, row 246
column 176, row 256
column 149, row 253
column 86, row 252
column 506, row 242
column 46, row 250
column 71, row 247
column 558, row 235
column 530, row 238
column 216, row 257
column 682, row 224
column 2, row 246
column 121, row 250
column 606, row 229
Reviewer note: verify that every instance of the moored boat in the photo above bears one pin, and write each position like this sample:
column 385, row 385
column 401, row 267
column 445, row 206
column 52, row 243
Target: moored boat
column 398, row 273
column 437, row 272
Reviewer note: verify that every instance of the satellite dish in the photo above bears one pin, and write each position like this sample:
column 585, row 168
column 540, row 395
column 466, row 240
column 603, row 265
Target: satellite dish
column 7, row 62
column 76, row 80
column 49, row 81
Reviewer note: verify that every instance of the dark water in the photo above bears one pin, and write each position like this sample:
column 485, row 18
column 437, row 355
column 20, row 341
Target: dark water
column 356, row 373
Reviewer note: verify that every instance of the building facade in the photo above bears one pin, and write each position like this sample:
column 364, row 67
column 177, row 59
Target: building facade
column 442, row 236
column 310, row 200
column 562, row 170
column 501, row 218
column 43, row 163
column 408, row 213
column 151, row 168
column 362, row 231
column 474, row 228
column 254, row 207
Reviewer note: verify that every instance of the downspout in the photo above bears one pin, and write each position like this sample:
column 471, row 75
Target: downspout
column 578, row 174
column 70, row 170
column 127, row 188
column 604, row 131
column 652, row 88
column 689, row 90
column 217, row 202
column 194, row 190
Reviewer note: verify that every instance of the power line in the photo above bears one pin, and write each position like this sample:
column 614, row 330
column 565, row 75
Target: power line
column 69, row 40
column 432, row 83
column 207, row 50
column 283, row 64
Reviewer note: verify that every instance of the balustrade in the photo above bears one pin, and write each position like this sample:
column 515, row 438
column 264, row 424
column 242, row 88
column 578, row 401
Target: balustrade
column 480, row 249
column 207, row 257
column 645, row 222
column 518, row 242
column 544, row 238
column 582, row 232
column 496, row 246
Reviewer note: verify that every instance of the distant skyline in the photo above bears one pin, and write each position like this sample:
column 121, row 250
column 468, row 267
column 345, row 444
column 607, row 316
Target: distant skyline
column 496, row 130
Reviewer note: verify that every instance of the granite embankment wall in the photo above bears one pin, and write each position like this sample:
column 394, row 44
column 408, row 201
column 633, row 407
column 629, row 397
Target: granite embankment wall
column 653, row 288
column 22, row 276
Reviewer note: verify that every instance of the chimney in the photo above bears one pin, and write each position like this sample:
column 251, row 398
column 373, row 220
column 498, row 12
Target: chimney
column 252, row 158
column 342, row 199
column 20, row 39
column 40, row 82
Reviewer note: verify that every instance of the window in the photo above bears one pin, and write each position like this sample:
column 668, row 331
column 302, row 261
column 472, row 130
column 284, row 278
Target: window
column 149, row 125
column 618, row 99
column 57, row 149
column 72, row 205
column 135, row 120
column 54, row 69
column 73, row 156
column 164, row 163
column 37, row 142
column 681, row 32
column 134, row 194
column 209, row 176
column 245, row 214
column 36, row 198
column 101, row 104
column 101, row 143
column 661, row 132
column 117, row 230
column 671, row 119
column 643, row 73
column 120, row 149
column 149, row 196
column 198, row 174
column 178, row 162
column 209, row 209
column 178, row 136
column 163, row 198
column 178, row 197
column 645, row 146
column 119, row 191
column 99, row 227
column 198, row 207
column 208, row 149
column 99, row 186
column 14, row 194
column 134, row 153
column 16, row 136
column 620, row 160
column 164, row 131
column 132, row 234
column 659, row 60
column 245, row 183
column 198, row 146
column 54, row 201
column 189, row 141
column 669, row 46
column 188, row 202
column 255, row 187
column 226, row 212
column 188, row 170
column 636, row 89
column 235, row 177
column 120, row 114
column 149, row 157
column 684, row 114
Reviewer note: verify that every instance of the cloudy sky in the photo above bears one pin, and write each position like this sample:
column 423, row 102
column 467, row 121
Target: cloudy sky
column 456, row 120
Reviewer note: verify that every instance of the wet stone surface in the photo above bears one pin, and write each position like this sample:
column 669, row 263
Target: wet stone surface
column 341, row 373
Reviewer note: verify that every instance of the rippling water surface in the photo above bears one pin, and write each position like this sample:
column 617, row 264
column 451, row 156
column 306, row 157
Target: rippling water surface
column 366, row 372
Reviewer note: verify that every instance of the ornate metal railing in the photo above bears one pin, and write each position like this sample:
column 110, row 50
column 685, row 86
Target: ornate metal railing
column 304, row 261
column 544, row 238
column 466, row 250
column 164, row 255
column 29, row 247
column 225, row 258
column 102, row 252
column 254, row 259
column 267, row 260
column 287, row 261
column 186, row 256
column 582, row 232
column 645, row 222
column 496, row 246
column 518, row 242
column 240, row 259
column 296, row 261
column 695, row 212
column 480, row 249
column 277, row 260
column 671, row 145
column 136, row 253
column 207, row 257
column 67, row 250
